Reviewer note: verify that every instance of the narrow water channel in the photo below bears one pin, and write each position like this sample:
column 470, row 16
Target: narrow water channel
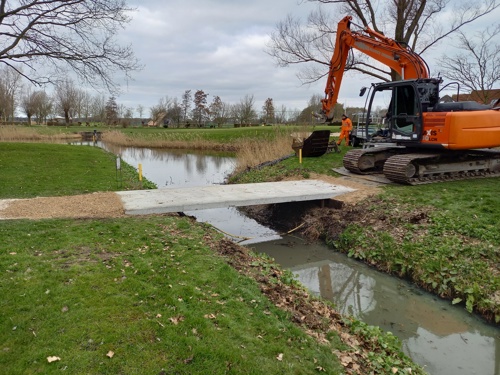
column 445, row 339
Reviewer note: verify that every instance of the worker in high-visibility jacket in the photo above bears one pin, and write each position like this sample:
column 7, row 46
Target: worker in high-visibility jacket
column 345, row 130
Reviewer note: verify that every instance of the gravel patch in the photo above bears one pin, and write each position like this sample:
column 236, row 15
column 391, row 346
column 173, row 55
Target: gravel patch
column 96, row 205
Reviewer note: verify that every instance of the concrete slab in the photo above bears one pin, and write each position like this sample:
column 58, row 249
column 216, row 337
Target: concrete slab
column 143, row 202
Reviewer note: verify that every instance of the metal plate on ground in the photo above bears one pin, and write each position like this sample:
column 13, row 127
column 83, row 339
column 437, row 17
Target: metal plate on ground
column 378, row 178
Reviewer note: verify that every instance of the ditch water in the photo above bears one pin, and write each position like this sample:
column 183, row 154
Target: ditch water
column 444, row 339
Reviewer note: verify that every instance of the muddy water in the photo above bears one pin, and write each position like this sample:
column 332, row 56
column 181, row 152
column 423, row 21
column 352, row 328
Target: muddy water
column 445, row 339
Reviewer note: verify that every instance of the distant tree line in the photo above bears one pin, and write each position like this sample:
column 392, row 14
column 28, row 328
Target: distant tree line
column 68, row 104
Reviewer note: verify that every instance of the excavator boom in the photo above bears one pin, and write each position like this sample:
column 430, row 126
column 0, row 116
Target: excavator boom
column 402, row 60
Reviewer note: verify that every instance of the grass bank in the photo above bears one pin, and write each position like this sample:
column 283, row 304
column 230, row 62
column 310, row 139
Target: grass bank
column 138, row 296
column 36, row 169
column 157, row 295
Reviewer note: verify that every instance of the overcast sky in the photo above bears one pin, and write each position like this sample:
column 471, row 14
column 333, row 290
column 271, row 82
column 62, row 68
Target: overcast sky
column 218, row 46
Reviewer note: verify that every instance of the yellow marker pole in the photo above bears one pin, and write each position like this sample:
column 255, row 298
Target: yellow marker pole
column 300, row 156
column 140, row 172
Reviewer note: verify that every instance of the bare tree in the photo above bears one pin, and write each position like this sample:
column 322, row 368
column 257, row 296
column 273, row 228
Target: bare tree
column 186, row 104
column 28, row 104
column 217, row 110
column 477, row 67
column 9, row 85
column 174, row 113
column 415, row 23
column 66, row 96
column 80, row 103
column 126, row 115
column 159, row 111
column 43, row 106
column 281, row 114
column 245, row 111
column 60, row 34
column 85, row 106
column 140, row 110
column 35, row 104
column 269, row 112
column 98, row 108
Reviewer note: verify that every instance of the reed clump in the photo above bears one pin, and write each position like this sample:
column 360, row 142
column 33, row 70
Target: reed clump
column 171, row 141
column 23, row 134
column 252, row 152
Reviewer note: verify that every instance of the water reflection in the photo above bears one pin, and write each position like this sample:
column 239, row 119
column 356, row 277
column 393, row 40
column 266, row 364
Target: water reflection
column 236, row 226
column 177, row 167
column 445, row 339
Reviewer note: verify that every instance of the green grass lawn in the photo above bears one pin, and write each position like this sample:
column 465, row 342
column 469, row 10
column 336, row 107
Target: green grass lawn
column 35, row 169
column 149, row 290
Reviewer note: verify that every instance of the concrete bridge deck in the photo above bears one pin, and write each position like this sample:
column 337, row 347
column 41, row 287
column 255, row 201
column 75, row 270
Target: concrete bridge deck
column 143, row 202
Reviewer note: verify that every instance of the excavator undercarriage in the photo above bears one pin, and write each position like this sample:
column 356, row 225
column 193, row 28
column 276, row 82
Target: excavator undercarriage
column 415, row 167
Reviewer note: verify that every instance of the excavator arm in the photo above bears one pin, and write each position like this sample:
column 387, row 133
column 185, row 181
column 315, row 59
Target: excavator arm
column 404, row 61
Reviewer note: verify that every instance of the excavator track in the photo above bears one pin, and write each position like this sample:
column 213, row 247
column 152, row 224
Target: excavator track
column 368, row 160
column 405, row 166
column 418, row 168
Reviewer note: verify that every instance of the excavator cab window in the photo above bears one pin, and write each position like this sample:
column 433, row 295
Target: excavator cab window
column 405, row 121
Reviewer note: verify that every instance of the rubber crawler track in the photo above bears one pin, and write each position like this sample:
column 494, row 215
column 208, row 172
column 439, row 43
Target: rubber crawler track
column 403, row 168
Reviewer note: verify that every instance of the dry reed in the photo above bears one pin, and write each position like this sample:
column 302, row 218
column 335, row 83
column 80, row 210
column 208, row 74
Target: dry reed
column 173, row 141
column 256, row 151
column 21, row 134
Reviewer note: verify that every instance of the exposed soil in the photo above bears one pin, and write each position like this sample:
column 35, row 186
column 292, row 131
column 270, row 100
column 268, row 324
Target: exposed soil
column 287, row 216
column 316, row 222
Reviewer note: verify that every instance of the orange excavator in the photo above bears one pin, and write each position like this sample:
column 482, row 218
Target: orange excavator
column 424, row 140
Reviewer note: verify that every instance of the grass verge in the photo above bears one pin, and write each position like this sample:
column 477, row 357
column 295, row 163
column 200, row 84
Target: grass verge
column 291, row 167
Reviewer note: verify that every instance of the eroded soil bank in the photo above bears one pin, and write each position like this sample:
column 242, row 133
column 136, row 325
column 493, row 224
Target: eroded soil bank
column 366, row 351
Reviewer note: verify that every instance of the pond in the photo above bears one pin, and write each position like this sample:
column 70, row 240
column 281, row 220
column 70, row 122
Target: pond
column 445, row 339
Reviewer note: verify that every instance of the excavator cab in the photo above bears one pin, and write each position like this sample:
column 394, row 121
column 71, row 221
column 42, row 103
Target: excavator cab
column 405, row 102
